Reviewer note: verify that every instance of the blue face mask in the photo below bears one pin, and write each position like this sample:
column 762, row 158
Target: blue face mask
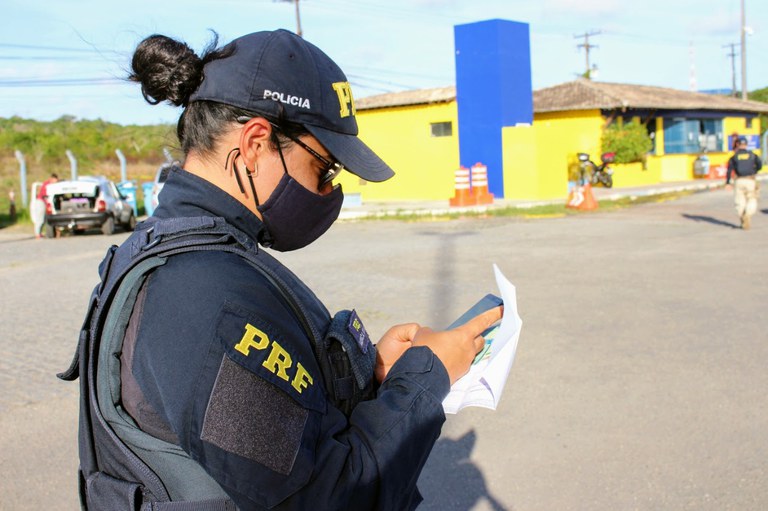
column 294, row 217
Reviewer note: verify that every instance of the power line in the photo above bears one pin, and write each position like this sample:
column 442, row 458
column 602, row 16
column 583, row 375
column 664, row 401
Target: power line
column 49, row 59
column 63, row 82
column 369, row 87
column 390, row 72
column 46, row 48
column 383, row 82
column 381, row 11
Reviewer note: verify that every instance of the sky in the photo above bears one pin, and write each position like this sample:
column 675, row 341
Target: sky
column 71, row 57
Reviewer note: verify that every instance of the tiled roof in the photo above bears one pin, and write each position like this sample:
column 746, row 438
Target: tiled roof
column 583, row 94
column 407, row 98
column 587, row 95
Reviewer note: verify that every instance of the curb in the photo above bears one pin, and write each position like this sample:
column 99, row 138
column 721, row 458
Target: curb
column 384, row 210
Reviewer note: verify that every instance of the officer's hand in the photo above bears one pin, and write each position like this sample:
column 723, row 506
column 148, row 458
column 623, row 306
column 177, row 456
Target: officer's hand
column 457, row 348
column 391, row 346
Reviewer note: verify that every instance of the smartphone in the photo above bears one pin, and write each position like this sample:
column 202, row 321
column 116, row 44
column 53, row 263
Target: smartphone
column 487, row 302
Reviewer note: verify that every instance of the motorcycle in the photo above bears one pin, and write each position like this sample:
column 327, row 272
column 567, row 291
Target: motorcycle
column 597, row 174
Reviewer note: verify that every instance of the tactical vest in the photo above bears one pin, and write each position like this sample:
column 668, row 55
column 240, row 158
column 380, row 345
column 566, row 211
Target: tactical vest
column 122, row 467
column 746, row 163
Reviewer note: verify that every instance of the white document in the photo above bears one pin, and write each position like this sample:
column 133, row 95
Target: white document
column 483, row 384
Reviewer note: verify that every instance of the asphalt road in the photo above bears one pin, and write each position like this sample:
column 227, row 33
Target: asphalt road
column 639, row 381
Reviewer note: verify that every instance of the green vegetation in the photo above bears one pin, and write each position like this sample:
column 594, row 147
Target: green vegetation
column 90, row 141
column 760, row 95
column 93, row 142
column 629, row 141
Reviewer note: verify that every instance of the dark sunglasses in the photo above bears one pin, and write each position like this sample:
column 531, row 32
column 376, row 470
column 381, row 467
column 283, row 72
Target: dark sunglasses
column 330, row 169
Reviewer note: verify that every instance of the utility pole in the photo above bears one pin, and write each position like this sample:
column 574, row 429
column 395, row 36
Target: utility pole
column 298, row 17
column 732, row 55
column 743, row 52
column 692, row 75
column 587, row 47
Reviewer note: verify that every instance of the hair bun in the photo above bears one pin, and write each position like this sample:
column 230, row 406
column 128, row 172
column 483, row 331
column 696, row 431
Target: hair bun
column 168, row 70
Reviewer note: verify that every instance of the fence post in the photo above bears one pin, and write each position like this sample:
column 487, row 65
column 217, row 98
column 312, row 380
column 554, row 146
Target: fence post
column 123, row 170
column 72, row 164
column 23, row 177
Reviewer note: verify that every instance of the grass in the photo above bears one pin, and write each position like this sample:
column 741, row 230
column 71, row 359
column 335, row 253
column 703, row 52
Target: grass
column 534, row 212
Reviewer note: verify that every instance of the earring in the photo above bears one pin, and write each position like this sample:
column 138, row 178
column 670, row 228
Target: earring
column 255, row 172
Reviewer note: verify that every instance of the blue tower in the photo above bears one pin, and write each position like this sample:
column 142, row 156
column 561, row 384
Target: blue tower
column 493, row 90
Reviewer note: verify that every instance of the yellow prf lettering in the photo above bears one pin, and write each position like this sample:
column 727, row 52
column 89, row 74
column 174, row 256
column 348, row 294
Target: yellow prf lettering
column 302, row 379
column 344, row 92
column 252, row 338
column 278, row 361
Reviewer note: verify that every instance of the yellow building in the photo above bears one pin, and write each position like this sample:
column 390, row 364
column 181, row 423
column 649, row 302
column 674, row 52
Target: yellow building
column 416, row 132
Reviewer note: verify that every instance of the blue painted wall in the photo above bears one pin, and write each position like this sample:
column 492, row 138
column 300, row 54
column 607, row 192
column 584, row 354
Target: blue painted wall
column 493, row 90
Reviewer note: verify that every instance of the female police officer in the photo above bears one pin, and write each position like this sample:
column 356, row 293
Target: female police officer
column 215, row 360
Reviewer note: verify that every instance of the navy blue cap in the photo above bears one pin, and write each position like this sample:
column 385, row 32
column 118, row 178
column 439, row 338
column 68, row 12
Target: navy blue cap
column 743, row 140
column 270, row 70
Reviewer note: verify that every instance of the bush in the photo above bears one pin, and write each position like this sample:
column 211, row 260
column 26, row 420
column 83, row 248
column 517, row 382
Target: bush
column 91, row 141
column 629, row 141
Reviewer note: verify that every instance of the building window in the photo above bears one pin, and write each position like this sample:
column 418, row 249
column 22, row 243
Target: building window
column 441, row 129
column 748, row 123
column 691, row 136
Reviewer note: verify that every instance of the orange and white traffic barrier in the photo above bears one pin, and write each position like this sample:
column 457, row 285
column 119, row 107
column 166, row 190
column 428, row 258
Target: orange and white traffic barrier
column 480, row 184
column 718, row 171
column 462, row 193
column 582, row 198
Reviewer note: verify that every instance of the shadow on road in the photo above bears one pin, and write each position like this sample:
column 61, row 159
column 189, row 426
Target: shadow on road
column 764, row 211
column 443, row 278
column 711, row 220
column 453, row 481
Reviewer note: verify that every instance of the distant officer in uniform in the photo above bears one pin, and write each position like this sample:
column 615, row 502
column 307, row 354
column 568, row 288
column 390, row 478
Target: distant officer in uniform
column 745, row 165
column 214, row 359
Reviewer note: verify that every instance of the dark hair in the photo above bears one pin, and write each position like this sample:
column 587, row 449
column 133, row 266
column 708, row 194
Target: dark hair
column 169, row 70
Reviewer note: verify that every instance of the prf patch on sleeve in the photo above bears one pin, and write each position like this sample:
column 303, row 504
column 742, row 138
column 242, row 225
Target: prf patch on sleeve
column 288, row 363
column 357, row 329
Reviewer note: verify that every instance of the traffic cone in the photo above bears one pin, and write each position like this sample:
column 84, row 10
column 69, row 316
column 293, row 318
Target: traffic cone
column 581, row 198
column 462, row 193
column 480, row 184
column 589, row 203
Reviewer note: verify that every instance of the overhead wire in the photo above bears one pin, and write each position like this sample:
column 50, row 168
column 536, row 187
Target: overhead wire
column 59, row 82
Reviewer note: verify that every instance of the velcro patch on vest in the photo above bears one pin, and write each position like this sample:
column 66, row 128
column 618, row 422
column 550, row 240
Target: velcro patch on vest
column 256, row 345
column 357, row 329
column 251, row 418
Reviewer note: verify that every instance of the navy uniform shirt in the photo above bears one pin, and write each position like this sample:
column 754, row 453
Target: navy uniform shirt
column 221, row 359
